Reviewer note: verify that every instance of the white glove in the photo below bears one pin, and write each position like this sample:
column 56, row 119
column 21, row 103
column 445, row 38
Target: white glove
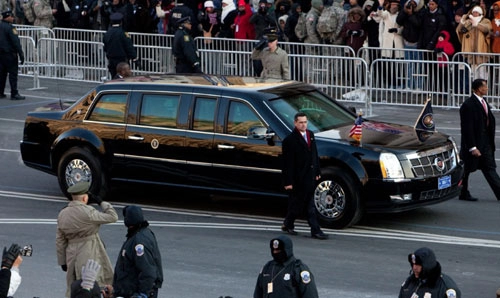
column 89, row 274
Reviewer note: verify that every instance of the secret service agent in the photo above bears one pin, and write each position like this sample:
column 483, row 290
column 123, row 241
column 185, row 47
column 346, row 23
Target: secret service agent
column 117, row 44
column 138, row 270
column 184, row 49
column 10, row 50
column 285, row 276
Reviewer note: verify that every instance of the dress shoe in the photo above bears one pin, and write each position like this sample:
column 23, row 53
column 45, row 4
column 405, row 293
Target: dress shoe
column 288, row 230
column 320, row 236
column 3, row 96
column 467, row 198
column 17, row 97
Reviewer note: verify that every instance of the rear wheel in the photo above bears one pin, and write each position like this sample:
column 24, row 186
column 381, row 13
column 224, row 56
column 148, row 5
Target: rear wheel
column 337, row 201
column 78, row 165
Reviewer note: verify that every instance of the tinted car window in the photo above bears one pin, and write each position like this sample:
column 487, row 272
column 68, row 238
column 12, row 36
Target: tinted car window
column 204, row 114
column 159, row 110
column 110, row 108
column 322, row 113
column 241, row 118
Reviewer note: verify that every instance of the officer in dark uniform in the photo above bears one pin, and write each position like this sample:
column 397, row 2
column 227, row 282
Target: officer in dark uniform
column 10, row 51
column 118, row 45
column 138, row 270
column 184, row 49
column 285, row 276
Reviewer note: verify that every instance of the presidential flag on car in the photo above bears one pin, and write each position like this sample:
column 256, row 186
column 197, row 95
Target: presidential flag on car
column 357, row 129
column 424, row 127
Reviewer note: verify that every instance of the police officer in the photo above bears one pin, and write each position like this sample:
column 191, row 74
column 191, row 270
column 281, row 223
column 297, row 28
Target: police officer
column 426, row 277
column 274, row 59
column 10, row 51
column 184, row 49
column 118, row 45
column 138, row 270
column 284, row 276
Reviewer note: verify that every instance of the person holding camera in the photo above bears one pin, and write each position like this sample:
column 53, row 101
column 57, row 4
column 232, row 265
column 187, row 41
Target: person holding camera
column 77, row 236
column 274, row 59
column 10, row 279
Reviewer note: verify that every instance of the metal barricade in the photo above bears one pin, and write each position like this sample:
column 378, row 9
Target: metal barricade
column 393, row 81
column 72, row 60
column 35, row 32
column 79, row 34
column 30, row 66
column 155, row 53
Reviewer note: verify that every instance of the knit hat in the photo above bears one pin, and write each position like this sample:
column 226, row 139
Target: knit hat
column 208, row 4
column 477, row 9
column 368, row 3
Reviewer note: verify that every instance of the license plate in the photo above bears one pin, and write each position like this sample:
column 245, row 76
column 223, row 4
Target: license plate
column 444, row 182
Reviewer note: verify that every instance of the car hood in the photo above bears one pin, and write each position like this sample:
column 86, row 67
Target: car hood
column 387, row 135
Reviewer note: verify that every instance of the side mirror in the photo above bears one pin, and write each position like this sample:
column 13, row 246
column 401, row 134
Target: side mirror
column 259, row 133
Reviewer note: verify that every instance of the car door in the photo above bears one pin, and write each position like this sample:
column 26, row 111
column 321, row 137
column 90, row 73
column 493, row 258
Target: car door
column 248, row 165
column 154, row 142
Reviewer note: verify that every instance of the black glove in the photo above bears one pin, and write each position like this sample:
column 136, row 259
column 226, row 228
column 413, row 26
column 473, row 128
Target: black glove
column 393, row 30
column 21, row 59
column 464, row 30
column 64, row 267
column 137, row 63
column 9, row 256
column 438, row 50
column 261, row 44
column 430, row 46
column 349, row 32
column 95, row 198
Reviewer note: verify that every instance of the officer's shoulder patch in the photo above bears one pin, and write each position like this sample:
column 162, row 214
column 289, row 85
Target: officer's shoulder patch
column 139, row 250
column 451, row 293
column 14, row 30
column 186, row 38
column 127, row 35
column 305, row 276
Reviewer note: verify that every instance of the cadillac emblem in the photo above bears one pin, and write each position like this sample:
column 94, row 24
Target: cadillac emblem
column 439, row 164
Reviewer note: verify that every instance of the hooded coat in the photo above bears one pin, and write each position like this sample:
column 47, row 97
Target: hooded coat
column 390, row 40
column 431, row 281
column 474, row 39
column 243, row 29
column 77, row 240
column 289, row 279
column 495, row 31
column 139, row 267
column 446, row 46
column 355, row 42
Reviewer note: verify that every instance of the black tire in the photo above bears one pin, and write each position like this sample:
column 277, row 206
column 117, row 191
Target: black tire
column 79, row 164
column 338, row 203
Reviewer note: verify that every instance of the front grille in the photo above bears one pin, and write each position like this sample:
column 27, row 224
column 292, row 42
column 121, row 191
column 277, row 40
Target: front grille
column 426, row 164
column 437, row 193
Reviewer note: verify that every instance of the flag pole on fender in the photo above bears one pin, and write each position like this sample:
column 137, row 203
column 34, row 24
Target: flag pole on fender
column 356, row 131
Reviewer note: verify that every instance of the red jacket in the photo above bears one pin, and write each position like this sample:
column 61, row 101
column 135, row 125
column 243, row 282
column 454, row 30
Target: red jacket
column 446, row 45
column 243, row 29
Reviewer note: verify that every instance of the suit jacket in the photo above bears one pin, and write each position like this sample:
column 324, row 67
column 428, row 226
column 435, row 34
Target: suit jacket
column 475, row 132
column 300, row 161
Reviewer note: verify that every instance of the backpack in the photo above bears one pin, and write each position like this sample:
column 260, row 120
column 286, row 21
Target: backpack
column 330, row 22
column 301, row 28
column 28, row 11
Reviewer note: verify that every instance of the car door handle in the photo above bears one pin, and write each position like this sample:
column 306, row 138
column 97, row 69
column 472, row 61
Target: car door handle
column 136, row 138
column 225, row 146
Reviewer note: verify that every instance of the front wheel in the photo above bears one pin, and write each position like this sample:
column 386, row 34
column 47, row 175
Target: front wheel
column 336, row 199
column 79, row 165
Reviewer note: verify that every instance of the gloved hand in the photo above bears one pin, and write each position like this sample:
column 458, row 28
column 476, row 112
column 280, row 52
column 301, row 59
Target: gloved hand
column 393, row 30
column 430, row 46
column 438, row 50
column 464, row 30
column 349, row 32
column 138, row 63
column 21, row 59
column 64, row 267
column 9, row 256
column 89, row 274
column 357, row 33
column 261, row 44
column 95, row 198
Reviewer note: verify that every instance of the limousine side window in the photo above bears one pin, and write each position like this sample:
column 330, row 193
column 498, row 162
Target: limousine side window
column 240, row 118
column 110, row 108
column 204, row 114
column 159, row 110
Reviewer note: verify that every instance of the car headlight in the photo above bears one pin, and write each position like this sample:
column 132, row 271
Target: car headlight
column 390, row 166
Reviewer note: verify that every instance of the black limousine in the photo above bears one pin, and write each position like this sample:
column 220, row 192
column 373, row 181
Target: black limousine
column 223, row 135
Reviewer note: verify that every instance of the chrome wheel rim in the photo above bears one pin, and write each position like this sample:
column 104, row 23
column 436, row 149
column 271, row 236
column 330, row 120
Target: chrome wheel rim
column 76, row 171
column 330, row 199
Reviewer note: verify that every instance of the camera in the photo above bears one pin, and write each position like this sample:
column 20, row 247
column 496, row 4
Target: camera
column 26, row 251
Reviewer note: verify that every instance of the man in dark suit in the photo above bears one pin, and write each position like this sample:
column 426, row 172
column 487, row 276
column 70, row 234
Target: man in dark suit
column 300, row 171
column 477, row 125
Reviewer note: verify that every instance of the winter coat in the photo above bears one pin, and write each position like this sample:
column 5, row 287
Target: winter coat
column 43, row 14
column 475, row 40
column 355, row 42
column 411, row 23
column 432, row 24
column 446, row 46
column 311, row 22
column 495, row 32
column 275, row 63
column 390, row 40
column 243, row 29
column 77, row 239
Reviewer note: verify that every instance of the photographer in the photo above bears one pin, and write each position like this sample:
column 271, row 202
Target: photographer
column 10, row 279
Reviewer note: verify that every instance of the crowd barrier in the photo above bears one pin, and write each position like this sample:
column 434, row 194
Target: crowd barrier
column 370, row 76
